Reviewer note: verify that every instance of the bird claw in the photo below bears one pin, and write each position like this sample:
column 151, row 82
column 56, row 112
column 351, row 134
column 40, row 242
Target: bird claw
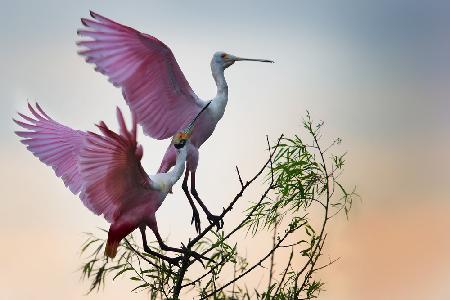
column 171, row 260
column 147, row 248
column 175, row 260
column 216, row 220
column 213, row 219
column 195, row 255
column 196, row 220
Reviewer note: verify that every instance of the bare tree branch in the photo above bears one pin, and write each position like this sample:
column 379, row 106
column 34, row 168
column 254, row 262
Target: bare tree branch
column 296, row 179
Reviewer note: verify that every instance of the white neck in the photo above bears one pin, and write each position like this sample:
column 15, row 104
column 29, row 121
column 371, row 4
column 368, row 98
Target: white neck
column 163, row 182
column 221, row 98
column 178, row 169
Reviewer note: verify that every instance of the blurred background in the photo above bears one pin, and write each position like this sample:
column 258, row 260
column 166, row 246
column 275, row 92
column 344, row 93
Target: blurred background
column 377, row 73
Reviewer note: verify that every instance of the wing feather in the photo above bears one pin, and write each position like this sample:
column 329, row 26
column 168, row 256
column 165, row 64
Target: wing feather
column 111, row 170
column 54, row 144
column 104, row 169
column 152, row 82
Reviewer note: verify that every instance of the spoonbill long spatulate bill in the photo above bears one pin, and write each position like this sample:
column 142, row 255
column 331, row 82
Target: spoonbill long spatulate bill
column 156, row 90
column 105, row 171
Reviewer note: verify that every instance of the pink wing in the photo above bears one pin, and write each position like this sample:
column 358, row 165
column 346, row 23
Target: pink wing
column 111, row 170
column 54, row 144
column 152, row 83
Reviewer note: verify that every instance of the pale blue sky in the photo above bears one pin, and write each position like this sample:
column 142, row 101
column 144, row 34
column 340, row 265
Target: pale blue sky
column 398, row 46
column 376, row 71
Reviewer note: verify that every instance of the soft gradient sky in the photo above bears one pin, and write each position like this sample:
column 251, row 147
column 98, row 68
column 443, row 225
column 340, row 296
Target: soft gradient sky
column 376, row 71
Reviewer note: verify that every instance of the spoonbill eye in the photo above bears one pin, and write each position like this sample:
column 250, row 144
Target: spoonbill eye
column 223, row 55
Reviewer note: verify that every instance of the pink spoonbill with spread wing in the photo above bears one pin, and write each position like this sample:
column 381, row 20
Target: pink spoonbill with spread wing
column 157, row 91
column 105, row 170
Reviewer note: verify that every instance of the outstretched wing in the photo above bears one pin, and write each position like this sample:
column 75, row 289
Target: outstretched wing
column 54, row 144
column 151, row 80
column 111, row 170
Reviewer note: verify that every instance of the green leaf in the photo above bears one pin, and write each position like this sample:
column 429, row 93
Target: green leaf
column 121, row 272
column 144, row 285
column 135, row 278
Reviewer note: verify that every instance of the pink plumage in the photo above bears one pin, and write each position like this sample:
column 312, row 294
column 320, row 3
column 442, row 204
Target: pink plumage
column 146, row 70
column 105, row 167
column 111, row 171
column 56, row 145
column 156, row 90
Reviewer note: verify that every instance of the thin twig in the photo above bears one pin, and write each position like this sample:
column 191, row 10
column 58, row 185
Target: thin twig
column 285, row 271
column 313, row 263
column 326, row 265
column 140, row 254
column 325, row 219
column 239, row 176
column 230, row 206
column 272, row 257
column 263, row 196
column 270, row 158
column 204, row 275
column 294, row 244
column 235, row 199
column 251, row 268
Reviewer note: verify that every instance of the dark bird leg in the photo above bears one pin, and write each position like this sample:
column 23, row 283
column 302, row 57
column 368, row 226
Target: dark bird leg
column 195, row 217
column 199, row 257
column 213, row 219
column 171, row 260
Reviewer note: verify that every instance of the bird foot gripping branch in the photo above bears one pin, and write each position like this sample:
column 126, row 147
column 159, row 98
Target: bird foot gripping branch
column 216, row 220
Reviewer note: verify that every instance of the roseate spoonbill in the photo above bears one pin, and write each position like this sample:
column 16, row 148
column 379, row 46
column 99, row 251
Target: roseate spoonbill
column 105, row 170
column 156, row 90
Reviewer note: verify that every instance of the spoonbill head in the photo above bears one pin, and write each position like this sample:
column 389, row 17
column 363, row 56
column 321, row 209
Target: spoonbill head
column 224, row 60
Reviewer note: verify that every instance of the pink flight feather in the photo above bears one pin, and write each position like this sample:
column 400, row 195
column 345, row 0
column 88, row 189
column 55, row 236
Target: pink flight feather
column 105, row 167
column 152, row 83
column 54, row 144
column 111, row 170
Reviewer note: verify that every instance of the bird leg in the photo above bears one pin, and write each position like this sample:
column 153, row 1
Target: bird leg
column 183, row 250
column 213, row 219
column 195, row 217
column 170, row 260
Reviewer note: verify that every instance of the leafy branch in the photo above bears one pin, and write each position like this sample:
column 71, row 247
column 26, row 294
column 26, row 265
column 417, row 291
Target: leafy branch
column 299, row 176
